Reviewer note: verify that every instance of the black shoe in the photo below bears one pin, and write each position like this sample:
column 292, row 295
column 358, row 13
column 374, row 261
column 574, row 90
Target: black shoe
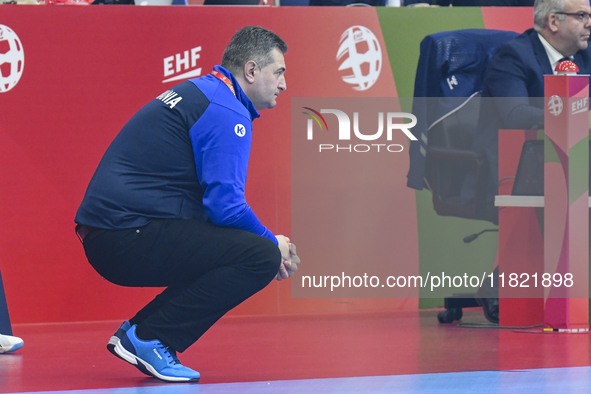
column 490, row 307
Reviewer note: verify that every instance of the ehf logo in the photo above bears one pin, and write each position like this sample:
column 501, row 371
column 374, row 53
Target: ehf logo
column 240, row 130
column 12, row 59
column 555, row 105
column 361, row 56
column 183, row 64
column 579, row 106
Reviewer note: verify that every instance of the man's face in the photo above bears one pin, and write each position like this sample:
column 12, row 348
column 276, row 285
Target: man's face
column 573, row 31
column 269, row 82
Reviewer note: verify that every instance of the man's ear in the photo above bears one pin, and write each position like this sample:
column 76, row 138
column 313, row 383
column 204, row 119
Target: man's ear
column 250, row 71
column 553, row 22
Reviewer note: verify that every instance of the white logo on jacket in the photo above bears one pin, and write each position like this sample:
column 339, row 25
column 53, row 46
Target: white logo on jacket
column 240, row 130
column 170, row 98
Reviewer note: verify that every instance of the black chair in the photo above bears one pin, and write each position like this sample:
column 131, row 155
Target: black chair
column 447, row 103
column 450, row 163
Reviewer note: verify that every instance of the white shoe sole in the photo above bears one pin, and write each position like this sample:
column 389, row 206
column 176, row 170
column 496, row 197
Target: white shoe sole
column 114, row 340
column 12, row 348
column 112, row 344
column 124, row 354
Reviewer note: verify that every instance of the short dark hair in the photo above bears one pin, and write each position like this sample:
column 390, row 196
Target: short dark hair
column 252, row 43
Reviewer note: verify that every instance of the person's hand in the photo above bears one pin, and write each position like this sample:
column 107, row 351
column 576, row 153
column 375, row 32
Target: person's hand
column 284, row 248
column 283, row 243
column 294, row 260
column 290, row 266
column 283, row 271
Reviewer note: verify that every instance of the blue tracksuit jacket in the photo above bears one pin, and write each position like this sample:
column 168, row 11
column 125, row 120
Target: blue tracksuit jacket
column 182, row 156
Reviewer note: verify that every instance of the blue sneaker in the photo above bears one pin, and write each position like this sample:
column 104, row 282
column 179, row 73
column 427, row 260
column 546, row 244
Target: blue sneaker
column 116, row 338
column 154, row 358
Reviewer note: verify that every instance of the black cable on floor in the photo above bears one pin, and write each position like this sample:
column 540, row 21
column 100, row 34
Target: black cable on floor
column 495, row 325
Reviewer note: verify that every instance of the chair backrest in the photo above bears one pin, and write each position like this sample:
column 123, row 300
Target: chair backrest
column 456, row 129
column 450, row 70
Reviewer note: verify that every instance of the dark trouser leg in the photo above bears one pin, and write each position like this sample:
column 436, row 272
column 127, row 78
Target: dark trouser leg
column 155, row 305
column 207, row 270
column 186, row 317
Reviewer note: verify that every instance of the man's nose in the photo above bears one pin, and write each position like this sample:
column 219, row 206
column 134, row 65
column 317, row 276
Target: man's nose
column 282, row 84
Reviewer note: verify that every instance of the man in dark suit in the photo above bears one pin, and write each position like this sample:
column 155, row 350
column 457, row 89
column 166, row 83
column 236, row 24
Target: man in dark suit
column 514, row 87
column 514, row 78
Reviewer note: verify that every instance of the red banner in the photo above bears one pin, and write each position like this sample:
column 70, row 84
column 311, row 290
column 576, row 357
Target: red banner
column 86, row 71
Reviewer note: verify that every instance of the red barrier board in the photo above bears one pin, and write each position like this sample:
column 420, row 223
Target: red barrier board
column 86, row 71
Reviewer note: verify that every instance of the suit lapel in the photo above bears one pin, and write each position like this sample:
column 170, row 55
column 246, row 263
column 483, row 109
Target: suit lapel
column 540, row 52
column 580, row 61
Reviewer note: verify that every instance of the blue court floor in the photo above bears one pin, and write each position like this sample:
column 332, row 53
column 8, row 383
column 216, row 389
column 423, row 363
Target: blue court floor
column 539, row 381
